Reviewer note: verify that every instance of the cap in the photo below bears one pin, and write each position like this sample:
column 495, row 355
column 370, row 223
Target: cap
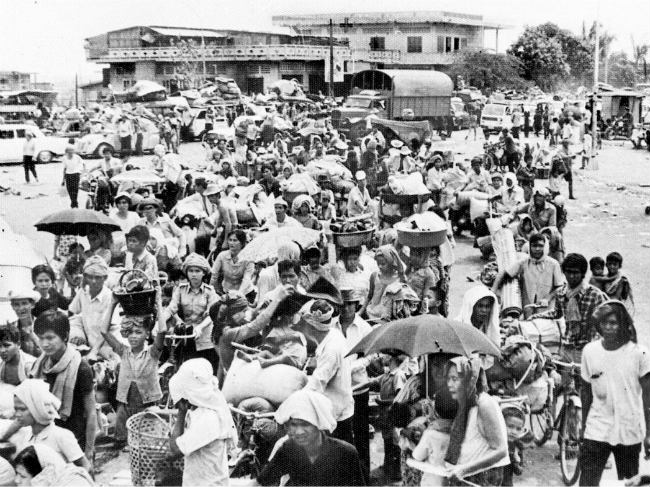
column 396, row 143
column 230, row 181
column 360, row 175
column 123, row 195
column 497, row 175
column 349, row 295
column 281, row 201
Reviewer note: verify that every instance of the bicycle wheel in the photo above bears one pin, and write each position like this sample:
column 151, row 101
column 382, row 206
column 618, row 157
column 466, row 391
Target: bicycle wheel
column 541, row 425
column 570, row 433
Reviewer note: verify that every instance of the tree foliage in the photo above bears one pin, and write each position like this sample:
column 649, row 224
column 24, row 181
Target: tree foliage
column 622, row 70
column 186, row 69
column 488, row 71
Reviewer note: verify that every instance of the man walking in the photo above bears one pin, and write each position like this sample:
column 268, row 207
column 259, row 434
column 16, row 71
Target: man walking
column 615, row 396
column 29, row 147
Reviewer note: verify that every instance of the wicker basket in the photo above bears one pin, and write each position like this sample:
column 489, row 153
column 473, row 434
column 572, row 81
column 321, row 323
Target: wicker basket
column 148, row 437
column 139, row 302
column 404, row 199
column 353, row 239
column 289, row 196
column 421, row 239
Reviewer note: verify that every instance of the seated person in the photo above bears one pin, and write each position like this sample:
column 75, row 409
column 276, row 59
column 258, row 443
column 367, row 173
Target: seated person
column 15, row 364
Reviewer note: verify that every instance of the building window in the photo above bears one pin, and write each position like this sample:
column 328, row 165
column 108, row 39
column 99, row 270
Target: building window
column 377, row 43
column 451, row 44
column 414, row 44
column 253, row 69
column 124, row 68
column 128, row 83
column 441, row 44
column 265, row 68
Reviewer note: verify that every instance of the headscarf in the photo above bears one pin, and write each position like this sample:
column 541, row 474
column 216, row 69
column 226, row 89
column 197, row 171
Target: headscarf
column 318, row 320
column 389, row 253
column 130, row 321
column 195, row 383
column 300, row 200
column 41, row 403
column 520, row 227
column 96, row 266
column 232, row 303
column 310, row 406
column 470, row 298
column 473, row 382
column 556, row 242
column 624, row 318
column 195, row 260
column 509, row 176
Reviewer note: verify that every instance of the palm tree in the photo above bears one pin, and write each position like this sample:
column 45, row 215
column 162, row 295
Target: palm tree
column 605, row 40
column 640, row 53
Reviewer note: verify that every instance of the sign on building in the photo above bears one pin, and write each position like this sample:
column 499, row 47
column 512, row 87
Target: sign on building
column 338, row 68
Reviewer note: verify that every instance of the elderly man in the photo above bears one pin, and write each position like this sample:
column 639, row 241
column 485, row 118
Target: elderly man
column 91, row 310
column 358, row 198
column 332, row 375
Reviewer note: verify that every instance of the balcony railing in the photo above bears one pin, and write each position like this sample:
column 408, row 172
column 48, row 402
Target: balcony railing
column 269, row 52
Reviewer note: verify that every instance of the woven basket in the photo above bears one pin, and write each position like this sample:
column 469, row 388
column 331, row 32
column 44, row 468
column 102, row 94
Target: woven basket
column 139, row 302
column 353, row 239
column 148, row 437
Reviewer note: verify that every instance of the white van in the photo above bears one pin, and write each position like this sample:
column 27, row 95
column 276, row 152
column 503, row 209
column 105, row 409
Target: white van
column 495, row 117
column 12, row 138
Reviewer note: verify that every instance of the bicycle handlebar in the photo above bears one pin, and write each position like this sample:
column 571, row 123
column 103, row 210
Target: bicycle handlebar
column 250, row 414
column 566, row 365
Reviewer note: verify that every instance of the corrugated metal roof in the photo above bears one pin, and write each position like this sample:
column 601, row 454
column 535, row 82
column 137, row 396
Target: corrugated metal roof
column 186, row 32
column 403, row 17
column 410, row 82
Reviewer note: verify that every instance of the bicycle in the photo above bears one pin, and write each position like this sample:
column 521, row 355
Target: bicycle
column 253, row 430
column 567, row 421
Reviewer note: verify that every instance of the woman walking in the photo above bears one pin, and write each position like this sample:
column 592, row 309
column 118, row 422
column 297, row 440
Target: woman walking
column 73, row 166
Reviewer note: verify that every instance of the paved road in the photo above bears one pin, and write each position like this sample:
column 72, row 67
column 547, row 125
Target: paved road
column 608, row 215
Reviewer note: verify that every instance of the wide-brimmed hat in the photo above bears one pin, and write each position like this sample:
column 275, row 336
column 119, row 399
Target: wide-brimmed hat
column 397, row 144
column 350, row 296
column 148, row 202
column 213, row 188
column 25, row 293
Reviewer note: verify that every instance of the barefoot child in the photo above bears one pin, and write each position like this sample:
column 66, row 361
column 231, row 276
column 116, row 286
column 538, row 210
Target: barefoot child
column 138, row 386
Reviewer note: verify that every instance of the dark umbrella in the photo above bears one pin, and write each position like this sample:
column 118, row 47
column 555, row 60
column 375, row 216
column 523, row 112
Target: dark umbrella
column 76, row 221
column 420, row 335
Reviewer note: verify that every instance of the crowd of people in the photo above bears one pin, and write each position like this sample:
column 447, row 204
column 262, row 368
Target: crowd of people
column 305, row 308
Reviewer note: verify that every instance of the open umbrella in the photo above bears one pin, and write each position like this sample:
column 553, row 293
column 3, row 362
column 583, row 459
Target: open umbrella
column 75, row 221
column 420, row 335
column 266, row 244
column 141, row 176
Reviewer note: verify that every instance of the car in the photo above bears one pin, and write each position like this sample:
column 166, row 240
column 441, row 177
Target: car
column 495, row 117
column 12, row 138
column 104, row 136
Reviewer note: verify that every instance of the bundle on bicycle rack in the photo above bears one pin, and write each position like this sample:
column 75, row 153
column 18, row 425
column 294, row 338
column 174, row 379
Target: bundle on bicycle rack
column 136, row 293
column 148, row 439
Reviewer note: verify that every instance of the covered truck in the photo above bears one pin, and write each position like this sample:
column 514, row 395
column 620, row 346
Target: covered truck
column 403, row 95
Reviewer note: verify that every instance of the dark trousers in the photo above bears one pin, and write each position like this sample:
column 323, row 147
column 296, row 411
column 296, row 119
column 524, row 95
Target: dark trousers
column 343, row 431
column 28, row 166
column 72, row 185
column 125, row 146
column 361, row 430
column 568, row 176
column 515, row 132
column 202, row 244
column 594, row 455
column 138, row 144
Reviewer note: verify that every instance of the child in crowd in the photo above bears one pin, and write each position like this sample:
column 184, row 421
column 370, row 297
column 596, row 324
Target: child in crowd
column 597, row 268
column 615, row 284
column 282, row 344
column 204, row 430
column 137, row 256
column 22, row 302
column 433, row 445
column 390, row 383
column 138, row 386
column 15, row 364
column 515, row 420
column 421, row 277
column 555, row 131
column 72, row 277
column 556, row 176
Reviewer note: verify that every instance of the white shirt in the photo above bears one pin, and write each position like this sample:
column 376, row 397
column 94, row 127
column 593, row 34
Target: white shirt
column 89, row 316
column 358, row 329
column 58, row 439
column 288, row 222
column 358, row 202
column 332, row 376
column 73, row 165
column 616, row 413
column 29, row 147
column 206, row 453
column 126, row 224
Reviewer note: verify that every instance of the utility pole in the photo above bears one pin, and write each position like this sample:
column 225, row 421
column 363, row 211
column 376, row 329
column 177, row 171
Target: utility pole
column 203, row 56
column 594, row 114
column 76, row 91
column 331, row 80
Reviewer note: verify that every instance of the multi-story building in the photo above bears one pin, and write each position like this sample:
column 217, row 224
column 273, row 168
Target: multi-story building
column 398, row 40
column 15, row 80
column 253, row 59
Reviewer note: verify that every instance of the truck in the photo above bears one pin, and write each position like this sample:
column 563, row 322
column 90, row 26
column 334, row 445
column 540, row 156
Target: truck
column 403, row 95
